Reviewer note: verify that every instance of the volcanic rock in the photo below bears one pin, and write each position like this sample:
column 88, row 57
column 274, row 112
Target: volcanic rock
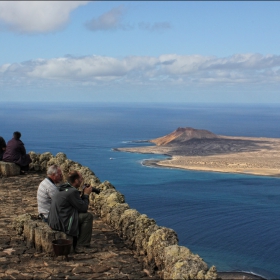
column 182, row 135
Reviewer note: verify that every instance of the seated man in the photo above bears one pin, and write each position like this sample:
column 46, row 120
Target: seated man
column 2, row 147
column 68, row 211
column 16, row 152
column 47, row 189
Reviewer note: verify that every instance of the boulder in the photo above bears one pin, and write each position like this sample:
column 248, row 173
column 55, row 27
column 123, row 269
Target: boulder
column 8, row 169
column 158, row 240
column 111, row 200
column 127, row 225
column 113, row 218
column 180, row 262
column 143, row 223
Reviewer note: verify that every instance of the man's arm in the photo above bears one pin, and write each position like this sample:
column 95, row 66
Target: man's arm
column 80, row 203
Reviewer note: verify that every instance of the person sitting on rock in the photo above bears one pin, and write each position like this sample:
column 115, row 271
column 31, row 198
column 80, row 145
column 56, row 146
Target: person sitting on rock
column 15, row 152
column 47, row 189
column 2, row 147
column 68, row 212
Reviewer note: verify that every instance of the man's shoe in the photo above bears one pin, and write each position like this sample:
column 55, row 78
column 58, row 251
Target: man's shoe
column 79, row 250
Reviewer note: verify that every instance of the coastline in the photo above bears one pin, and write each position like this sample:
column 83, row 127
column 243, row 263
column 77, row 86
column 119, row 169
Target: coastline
column 167, row 163
column 240, row 155
column 238, row 275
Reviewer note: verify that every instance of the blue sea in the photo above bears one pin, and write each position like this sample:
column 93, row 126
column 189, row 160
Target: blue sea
column 231, row 221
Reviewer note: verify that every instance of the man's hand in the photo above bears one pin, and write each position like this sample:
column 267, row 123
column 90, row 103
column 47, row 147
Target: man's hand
column 88, row 190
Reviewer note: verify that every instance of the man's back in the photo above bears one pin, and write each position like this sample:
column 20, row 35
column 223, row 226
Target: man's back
column 65, row 208
column 45, row 192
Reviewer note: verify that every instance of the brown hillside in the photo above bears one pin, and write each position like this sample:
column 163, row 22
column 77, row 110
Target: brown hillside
column 182, row 135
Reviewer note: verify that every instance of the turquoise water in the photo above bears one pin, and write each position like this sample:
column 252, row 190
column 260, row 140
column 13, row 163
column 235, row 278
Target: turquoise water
column 231, row 221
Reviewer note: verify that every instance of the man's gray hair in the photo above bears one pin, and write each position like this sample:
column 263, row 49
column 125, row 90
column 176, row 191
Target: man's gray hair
column 52, row 170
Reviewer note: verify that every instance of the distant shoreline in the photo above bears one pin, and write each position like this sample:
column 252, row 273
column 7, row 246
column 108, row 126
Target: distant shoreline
column 156, row 163
column 238, row 275
column 236, row 155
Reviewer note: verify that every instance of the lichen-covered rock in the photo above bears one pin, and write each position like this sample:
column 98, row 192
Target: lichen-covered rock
column 60, row 158
column 76, row 166
column 182, row 270
column 110, row 201
column 85, row 171
column 43, row 165
column 41, row 162
column 89, row 176
column 105, row 186
column 35, row 164
column 115, row 215
column 100, row 199
column 66, row 165
column 34, row 157
column 19, row 221
column 181, row 263
column 158, row 240
column 212, row 273
column 52, row 161
column 142, row 234
column 145, row 242
column 127, row 225
column 45, row 157
column 94, row 181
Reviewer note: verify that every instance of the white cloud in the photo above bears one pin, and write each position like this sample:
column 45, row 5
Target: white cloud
column 171, row 69
column 111, row 20
column 92, row 67
column 36, row 16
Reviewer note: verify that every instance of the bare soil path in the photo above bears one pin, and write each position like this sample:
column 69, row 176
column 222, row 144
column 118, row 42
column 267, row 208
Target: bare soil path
column 108, row 257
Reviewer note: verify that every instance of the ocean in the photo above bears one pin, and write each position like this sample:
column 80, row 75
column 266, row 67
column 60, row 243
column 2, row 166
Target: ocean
column 231, row 221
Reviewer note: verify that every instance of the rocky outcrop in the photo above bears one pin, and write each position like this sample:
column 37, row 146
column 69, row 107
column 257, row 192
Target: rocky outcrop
column 40, row 162
column 182, row 135
column 156, row 247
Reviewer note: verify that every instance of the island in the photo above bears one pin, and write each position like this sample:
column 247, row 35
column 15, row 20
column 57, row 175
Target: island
column 202, row 150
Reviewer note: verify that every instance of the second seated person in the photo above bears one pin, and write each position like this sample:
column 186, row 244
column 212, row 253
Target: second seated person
column 15, row 152
column 68, row 212
column 47, row 189
column 2, row 147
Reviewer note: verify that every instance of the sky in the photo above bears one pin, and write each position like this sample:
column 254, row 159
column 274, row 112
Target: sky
column 140, row 51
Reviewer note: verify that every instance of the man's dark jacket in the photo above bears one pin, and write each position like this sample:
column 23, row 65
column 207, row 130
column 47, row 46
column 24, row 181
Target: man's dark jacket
column 15, row 152
column 65, row 208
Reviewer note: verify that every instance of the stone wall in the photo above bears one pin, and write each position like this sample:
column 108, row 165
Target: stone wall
column 157, row 247
column 37, row 233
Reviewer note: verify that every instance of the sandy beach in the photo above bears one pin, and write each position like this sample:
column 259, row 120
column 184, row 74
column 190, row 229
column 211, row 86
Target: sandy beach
column 246, row 155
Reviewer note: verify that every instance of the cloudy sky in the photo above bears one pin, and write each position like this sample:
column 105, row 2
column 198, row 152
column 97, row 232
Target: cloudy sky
column 140, row 51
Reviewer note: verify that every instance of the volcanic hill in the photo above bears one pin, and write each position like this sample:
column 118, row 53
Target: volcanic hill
column 182, row 135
